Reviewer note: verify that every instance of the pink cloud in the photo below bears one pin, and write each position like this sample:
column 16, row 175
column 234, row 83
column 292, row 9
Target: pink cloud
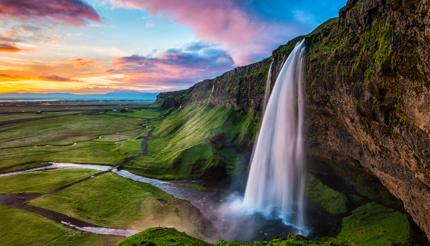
column 221, row 22
column 180, row 67
column 73, row 12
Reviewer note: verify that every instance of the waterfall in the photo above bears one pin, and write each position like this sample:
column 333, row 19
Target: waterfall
column 267, row 90
column 276, row 179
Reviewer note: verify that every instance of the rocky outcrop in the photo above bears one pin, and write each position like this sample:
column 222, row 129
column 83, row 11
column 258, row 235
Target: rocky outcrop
column 368, row 100
column 369, row 96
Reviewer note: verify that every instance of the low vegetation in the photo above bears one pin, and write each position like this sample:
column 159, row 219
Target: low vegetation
column 113, row 201
column 103, row 137
column 195, row 140
column 373, row 224
column 172, row 237
column 162, row 236
column 40, row 182
column 18, row 227
column 333, row 202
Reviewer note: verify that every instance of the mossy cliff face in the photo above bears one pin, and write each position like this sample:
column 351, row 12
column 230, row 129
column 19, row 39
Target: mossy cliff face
column 368, row 100
column 368, row 91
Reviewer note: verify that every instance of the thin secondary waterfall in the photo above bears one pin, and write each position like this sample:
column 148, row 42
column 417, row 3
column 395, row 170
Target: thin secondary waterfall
column 267, row 90
column 276, row 180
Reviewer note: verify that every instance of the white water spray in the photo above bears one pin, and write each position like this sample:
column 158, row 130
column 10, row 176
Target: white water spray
column 276, row 179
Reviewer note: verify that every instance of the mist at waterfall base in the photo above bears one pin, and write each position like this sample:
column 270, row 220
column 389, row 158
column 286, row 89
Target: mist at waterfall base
column 273, row 201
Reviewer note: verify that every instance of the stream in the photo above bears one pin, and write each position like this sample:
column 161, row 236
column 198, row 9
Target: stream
column 174, row 188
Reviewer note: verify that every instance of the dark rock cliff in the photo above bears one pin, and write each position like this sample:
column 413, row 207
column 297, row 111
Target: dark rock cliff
column 368, row 100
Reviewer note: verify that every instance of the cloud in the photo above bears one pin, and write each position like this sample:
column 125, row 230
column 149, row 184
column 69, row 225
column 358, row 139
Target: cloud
column 72, row 12
column 181, row 67
column 9, row 48
column 84, row 62
column 57, row 78
column 3, row 75
column 226, row 23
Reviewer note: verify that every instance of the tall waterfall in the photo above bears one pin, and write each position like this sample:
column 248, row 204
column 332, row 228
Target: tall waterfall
column 276, row 180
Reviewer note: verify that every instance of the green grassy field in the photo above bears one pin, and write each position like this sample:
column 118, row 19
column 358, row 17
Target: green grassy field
column 66, row 130
column 189, row 142
column 23, row 228
column 28, row 116
column 113, row 201
column 40, row 182
column 104, row 138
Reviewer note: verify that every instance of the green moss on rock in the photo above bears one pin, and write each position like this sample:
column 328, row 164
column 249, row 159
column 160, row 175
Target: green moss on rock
column 374, row 224
column 331, row 201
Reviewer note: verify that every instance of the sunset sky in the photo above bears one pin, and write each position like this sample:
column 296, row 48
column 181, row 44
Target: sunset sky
column 97, row 46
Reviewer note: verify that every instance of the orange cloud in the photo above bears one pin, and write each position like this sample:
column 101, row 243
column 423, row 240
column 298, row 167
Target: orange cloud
column 57, row 78
column 84, row 62
column 9, row 48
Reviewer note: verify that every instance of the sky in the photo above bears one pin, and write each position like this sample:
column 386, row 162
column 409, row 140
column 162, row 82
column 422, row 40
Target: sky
column 99, row 46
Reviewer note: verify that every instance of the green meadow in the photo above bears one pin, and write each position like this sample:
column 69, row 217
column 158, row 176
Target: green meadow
column 97, row 137
column 18, row 227
column 41, row 182
column 113, row 201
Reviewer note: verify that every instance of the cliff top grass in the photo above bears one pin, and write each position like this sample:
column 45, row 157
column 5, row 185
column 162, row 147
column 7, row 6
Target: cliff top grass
column 374, row 224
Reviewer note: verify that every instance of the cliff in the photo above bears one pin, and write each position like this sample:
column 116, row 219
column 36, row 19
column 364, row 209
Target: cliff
column 368, row 100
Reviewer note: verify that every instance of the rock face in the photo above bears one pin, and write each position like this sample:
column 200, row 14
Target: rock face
column 368, row 100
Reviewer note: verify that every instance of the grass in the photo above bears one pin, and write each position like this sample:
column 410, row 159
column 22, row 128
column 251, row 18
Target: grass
column 102, row 152
column 103, row 138
column 331, row 201
column 162, row 237
column 40, row 182
column 22, row 228
column 148, row 113
column 113, row 201
column 193, row 186
column 64, row 130
column 190, row 141
column 171, row 237
column 28, row 116
column 373, row 224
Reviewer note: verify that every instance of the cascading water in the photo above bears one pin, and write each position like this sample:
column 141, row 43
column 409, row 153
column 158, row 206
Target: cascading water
column 267, row 90
column 276, row 179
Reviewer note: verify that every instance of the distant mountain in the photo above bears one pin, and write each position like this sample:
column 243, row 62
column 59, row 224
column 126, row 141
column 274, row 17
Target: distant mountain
column 115, row 95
